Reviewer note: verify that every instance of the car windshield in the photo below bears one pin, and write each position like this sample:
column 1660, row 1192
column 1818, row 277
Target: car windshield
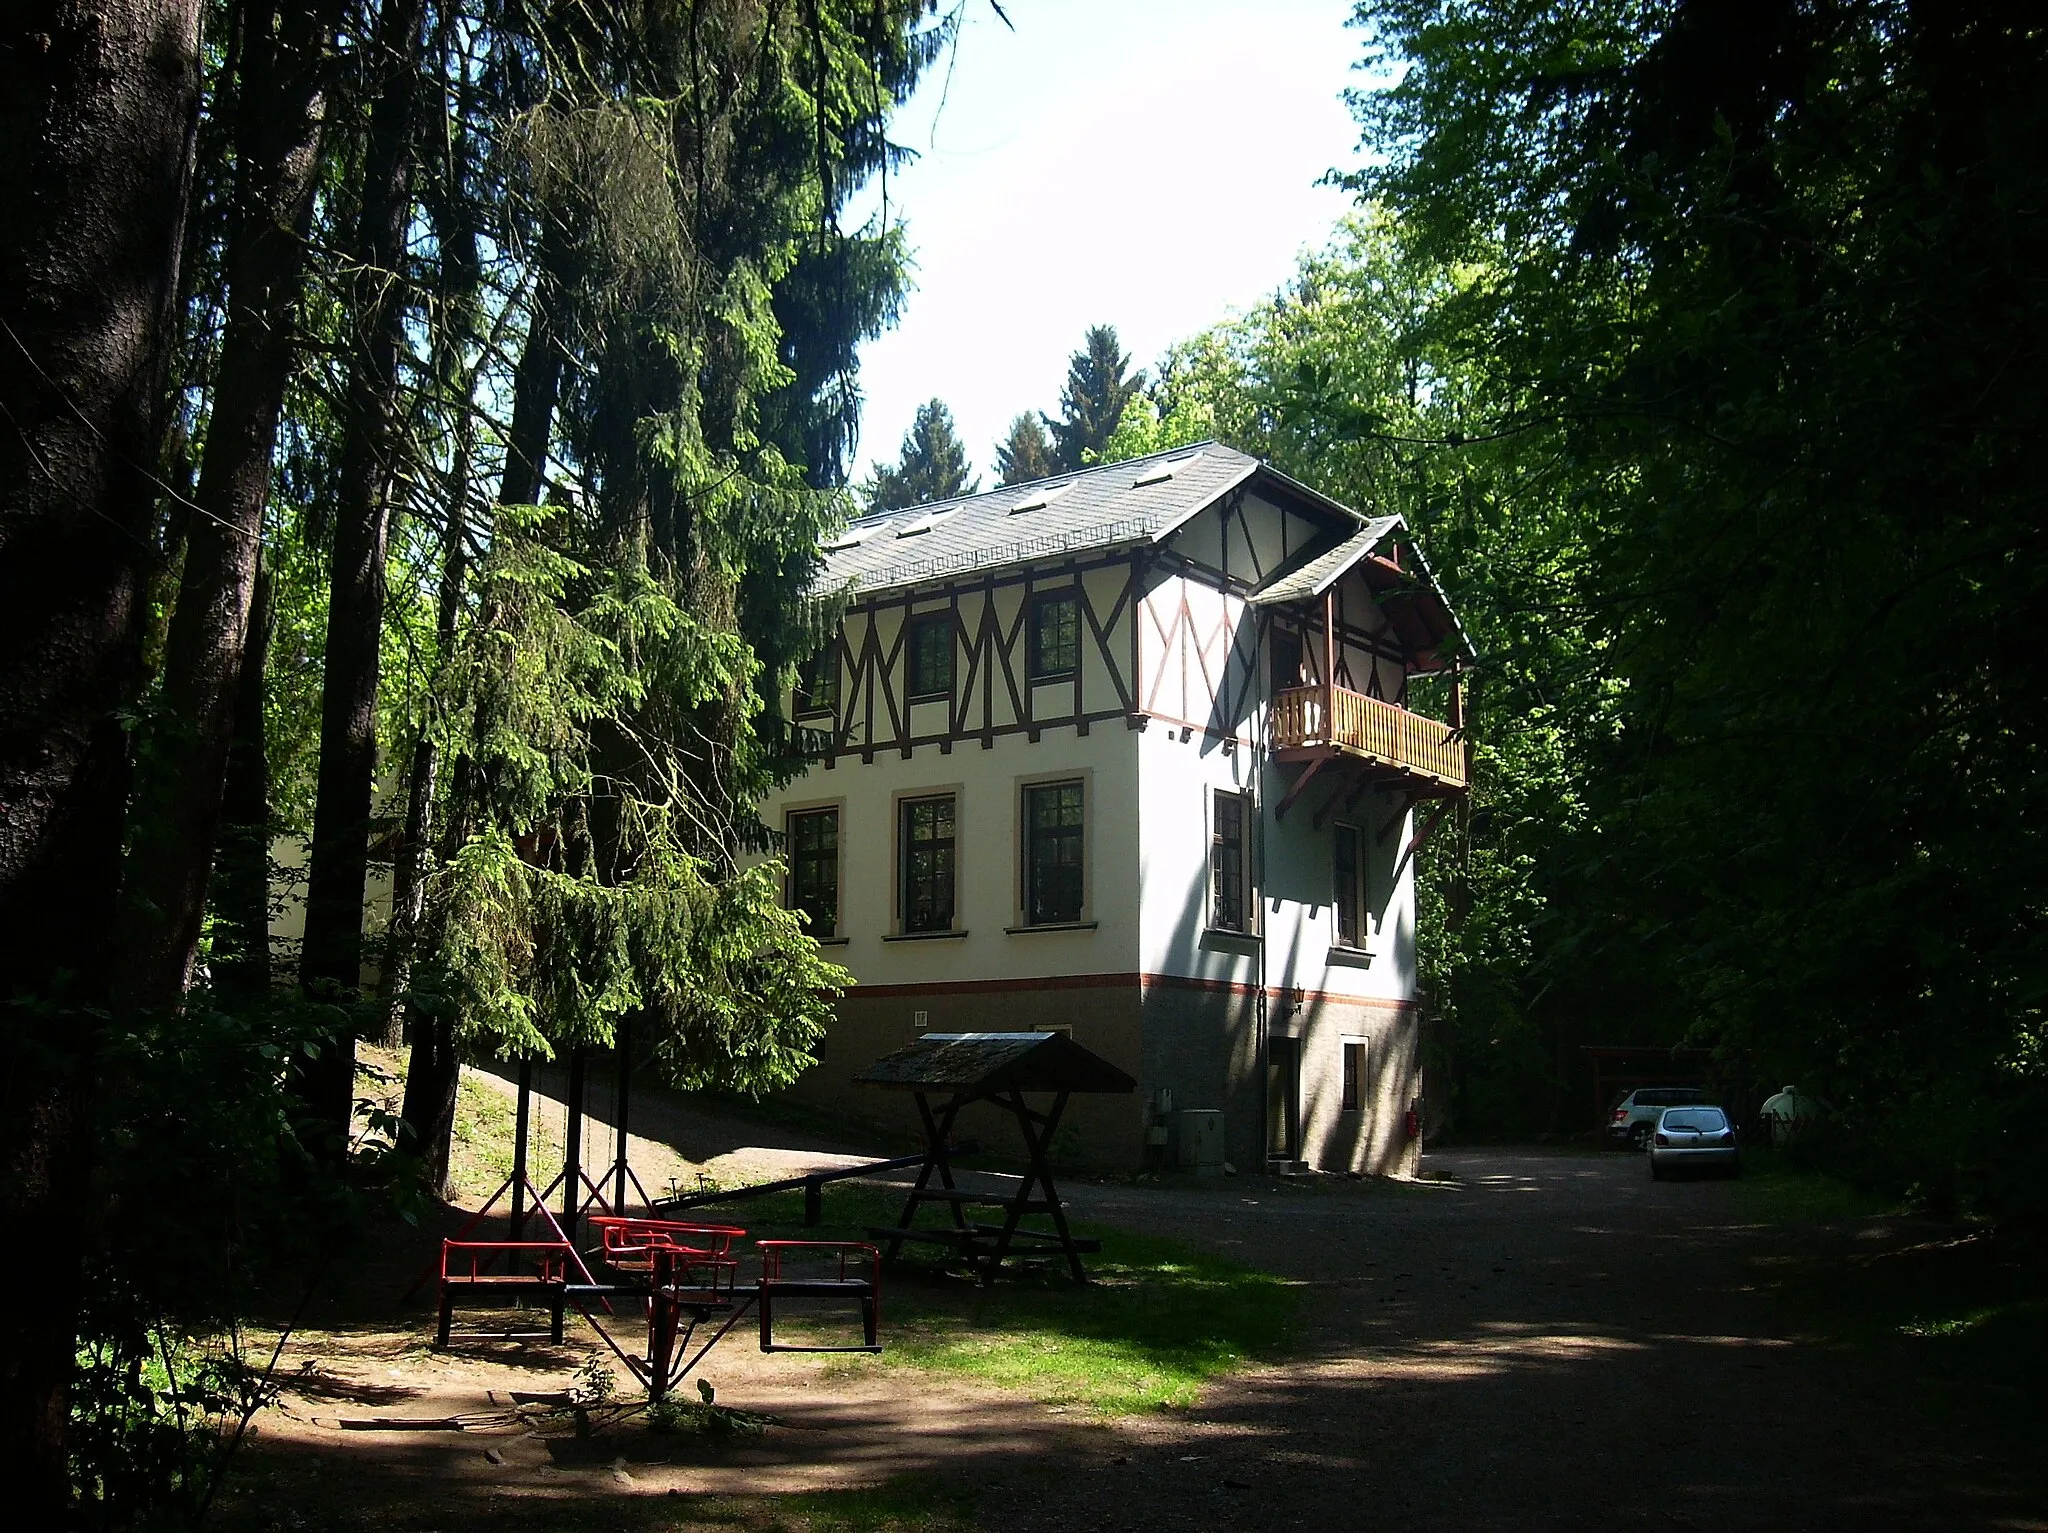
column 1695, row 1118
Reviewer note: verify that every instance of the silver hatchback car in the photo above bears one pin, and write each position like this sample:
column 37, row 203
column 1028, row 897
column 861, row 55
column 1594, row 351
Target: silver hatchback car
column 1689, row 1139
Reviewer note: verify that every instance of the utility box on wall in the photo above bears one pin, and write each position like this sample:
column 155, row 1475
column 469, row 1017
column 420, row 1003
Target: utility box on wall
column 1201, row 1141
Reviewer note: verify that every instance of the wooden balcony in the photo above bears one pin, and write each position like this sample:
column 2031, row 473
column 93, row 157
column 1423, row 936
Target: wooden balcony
column 1429, row 755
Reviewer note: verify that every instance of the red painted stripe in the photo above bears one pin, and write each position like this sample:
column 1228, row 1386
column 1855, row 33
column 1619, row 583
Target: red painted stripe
column 1123, row 981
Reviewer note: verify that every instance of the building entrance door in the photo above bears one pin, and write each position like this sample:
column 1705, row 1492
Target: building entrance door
column 1283, row 1099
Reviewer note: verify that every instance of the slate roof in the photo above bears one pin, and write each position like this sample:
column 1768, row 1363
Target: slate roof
column 996, row 1062
column 1116, row 505
column 1137, row 501
column 1325, row 570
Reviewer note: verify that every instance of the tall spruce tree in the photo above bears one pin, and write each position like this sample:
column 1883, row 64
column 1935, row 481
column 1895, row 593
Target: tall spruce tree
column 1026, row 453
column 639, row 315
column 1092, row 400
column 933, row 465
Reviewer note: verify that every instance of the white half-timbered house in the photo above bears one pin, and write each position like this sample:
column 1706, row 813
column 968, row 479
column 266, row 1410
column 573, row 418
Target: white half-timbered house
column 1128, row 752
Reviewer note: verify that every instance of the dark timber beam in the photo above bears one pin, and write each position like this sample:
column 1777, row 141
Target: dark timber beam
column 1293, row 793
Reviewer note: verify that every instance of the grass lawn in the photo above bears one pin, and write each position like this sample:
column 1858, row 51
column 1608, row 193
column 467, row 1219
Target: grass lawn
column 1775, row 1191
column 1156, row 1322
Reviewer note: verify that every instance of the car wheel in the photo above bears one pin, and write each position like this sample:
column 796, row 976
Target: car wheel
column 1639, row 1137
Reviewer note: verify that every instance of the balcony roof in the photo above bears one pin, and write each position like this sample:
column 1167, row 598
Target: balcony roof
column 1325, row 570
column 1407, row 592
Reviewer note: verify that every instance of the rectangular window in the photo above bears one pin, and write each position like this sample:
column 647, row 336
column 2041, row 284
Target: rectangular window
column 814, row 868
column 926, row 858
column 1354, row 1075
column 1052, row 853
column 1347, row 874
column 817, row 688
column 931, row 655
column 1055, row 636
column 1227, row 827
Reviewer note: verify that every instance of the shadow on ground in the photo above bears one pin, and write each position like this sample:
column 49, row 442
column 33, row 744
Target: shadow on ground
column 1535, row 1341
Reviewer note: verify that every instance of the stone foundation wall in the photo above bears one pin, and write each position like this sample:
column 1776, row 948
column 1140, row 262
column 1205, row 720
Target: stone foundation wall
column 1200, row 1042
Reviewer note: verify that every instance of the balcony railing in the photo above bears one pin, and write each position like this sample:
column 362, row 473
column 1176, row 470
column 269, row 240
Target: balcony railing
column 1365, row 726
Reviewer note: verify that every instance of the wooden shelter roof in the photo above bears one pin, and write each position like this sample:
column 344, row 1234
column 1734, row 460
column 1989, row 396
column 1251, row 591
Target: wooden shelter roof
column 996, row 1062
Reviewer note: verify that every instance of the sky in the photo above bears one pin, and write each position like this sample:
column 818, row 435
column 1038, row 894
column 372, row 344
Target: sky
column 1150, row 164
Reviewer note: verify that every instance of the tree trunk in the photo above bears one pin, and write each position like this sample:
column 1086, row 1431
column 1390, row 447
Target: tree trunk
column 97, row 104
column 452, row 210
column 536, row 384
column 432, row 1076
column 241, row 892
column 408, row 884
column 330, row 961
column 277, row 135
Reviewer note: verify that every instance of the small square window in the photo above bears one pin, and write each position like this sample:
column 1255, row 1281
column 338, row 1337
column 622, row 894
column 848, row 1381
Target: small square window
column 931, row 655
column 814, row 869
column 925, row 858
column 1228, row 824
column 1053, row 885
column 817, row 689
column 1055, row 636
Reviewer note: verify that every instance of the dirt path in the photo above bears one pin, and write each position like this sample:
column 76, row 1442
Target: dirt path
column 1525, row 1341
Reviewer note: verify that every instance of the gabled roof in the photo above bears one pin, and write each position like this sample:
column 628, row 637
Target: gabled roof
column 996, row 1062
column 1119, row 505
column 1137, row 501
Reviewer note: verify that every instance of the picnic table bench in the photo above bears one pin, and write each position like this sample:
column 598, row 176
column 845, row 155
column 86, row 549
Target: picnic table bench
column 684, row 1276
column 465, row 1274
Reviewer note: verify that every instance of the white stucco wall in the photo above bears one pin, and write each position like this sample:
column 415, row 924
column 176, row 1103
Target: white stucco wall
column 987, row 785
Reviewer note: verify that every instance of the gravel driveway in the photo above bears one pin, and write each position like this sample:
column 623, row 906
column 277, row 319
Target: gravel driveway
column 1525, row 1341
column 1522, row 1341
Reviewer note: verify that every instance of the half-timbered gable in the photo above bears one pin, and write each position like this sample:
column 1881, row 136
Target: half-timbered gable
column 1128, row 752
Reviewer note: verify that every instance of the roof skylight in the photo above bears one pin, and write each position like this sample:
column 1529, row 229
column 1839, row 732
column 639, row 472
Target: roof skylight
column 1165, row 469
column 856, row 535
column 923, row 523
column 1038, row 500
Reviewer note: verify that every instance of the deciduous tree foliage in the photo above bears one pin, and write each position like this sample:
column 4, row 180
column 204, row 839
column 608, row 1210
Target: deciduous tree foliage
column 1766, row 280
